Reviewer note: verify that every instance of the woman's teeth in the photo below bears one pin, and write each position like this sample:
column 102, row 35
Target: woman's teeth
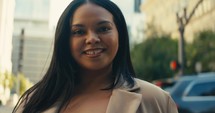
column 93, row 52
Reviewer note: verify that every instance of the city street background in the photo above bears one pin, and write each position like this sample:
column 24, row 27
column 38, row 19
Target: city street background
column 169, row 40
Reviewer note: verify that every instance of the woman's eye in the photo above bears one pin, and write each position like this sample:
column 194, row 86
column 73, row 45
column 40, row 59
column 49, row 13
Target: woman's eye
column 77, row 32
column 103, row 29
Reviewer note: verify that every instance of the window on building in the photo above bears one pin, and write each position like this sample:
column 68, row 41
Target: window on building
column 137, row 4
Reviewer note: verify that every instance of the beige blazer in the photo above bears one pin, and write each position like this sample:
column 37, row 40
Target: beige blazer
column 144, row 97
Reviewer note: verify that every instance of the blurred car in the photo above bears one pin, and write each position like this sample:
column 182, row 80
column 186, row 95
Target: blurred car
column 165, row 84
column 195, row 94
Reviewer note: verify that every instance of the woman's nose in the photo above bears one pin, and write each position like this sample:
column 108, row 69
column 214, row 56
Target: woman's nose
column 92, row 38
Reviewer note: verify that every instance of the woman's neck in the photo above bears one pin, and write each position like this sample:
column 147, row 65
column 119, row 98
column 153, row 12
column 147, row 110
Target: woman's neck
column 95, row 80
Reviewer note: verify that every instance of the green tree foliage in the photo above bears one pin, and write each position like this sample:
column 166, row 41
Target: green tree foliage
column 7, row 79
column 151, row 58
column 11, row 81
column 24, row 83
column 201, row 50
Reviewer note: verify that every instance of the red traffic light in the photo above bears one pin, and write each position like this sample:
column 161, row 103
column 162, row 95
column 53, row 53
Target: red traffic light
column 174, row 65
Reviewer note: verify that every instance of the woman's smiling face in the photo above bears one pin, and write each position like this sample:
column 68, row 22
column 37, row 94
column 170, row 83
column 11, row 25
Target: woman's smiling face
column 94, row 37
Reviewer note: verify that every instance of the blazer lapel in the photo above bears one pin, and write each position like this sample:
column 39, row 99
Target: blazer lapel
column 124, row 101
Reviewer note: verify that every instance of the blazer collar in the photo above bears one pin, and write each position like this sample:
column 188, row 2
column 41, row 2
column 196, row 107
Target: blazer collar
column 125, row 86
column 124, row 100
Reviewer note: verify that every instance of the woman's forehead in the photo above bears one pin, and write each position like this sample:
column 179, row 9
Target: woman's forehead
column 90, row 12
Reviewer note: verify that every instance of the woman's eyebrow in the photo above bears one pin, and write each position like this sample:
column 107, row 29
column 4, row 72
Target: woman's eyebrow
column 77, row 25
column 99, row 23
column 104, row 22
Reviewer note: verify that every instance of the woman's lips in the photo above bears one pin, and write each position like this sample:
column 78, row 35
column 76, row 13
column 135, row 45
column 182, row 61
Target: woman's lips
column 92, row 53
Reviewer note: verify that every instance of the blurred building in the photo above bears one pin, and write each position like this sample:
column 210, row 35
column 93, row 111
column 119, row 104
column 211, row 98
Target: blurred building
column 134, row 19
column 137, row 4
column 6, row 31
column 37, row 52
column 32, row 38
column 162, row 15
column 56, row 9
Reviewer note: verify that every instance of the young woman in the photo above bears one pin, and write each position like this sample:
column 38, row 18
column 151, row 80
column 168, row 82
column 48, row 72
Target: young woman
column 91, row 70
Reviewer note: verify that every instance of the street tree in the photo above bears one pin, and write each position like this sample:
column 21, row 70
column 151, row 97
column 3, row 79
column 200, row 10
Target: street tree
column 182, row 21
column 151, row 58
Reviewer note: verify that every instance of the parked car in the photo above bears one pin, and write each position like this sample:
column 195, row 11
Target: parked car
column 195, row 94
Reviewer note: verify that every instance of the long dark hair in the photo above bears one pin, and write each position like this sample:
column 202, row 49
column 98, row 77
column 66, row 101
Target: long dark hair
column 61, row 79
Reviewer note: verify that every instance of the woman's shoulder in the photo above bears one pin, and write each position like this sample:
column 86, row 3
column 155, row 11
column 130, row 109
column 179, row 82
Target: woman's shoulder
column 149, row 90
column 155, row 98
column 142, row 84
